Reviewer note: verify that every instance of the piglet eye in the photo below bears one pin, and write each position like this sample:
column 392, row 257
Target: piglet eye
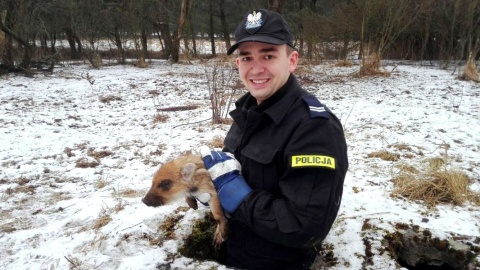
column 165, row 184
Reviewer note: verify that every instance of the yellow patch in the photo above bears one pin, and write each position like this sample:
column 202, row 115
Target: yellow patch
column 313, row 161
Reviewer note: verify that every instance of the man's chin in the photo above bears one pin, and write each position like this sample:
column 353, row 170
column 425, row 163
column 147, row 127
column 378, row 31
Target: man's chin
column 259, row 96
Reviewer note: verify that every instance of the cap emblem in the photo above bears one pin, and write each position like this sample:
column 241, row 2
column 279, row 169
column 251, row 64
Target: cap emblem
column 254, row 20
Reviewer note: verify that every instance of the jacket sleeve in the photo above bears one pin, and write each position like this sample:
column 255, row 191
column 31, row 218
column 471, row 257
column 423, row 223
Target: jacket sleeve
column 310, row 194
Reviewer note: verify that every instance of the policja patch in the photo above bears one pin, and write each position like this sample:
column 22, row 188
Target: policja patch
column 301, row 161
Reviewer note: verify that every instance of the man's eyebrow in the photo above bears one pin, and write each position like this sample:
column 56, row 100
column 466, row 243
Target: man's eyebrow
column 269, row 49
column 244, row 53
column 265, row 50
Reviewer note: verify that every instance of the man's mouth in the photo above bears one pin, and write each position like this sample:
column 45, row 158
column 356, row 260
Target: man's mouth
column 259, row 81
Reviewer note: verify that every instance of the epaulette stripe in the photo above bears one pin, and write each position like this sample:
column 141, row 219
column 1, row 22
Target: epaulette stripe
column 317, row 109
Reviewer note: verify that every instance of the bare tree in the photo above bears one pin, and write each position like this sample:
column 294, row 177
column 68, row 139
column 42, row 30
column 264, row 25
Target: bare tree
column 276, row 5
column 222, row 83
column 178, row 34
column 310, row 25
column 193, row 34
column 223, row 21
column 67, row 21
column 14, row 12
column 211, row 29
column 117, row 20
column 163, row 26
column 383, row 21
column 471, row 27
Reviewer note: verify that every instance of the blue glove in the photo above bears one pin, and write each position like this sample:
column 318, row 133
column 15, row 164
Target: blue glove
column 225, row 172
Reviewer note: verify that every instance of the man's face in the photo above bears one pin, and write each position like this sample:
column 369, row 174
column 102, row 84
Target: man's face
column 264, row 68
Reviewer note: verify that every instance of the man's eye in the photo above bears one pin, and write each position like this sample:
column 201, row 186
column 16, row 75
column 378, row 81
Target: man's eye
column 268, row 57
column 246, row 58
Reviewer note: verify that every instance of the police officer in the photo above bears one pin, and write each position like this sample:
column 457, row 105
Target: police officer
column 280, row 175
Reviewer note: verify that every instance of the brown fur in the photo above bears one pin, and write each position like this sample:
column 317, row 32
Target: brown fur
column 186, row 176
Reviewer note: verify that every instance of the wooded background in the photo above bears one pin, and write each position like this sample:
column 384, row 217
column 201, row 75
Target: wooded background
column 446, row 30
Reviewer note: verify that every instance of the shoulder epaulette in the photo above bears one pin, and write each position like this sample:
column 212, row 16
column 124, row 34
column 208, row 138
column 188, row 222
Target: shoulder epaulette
column 316, row 108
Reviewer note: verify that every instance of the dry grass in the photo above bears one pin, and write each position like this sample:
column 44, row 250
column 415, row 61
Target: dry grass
column 434, row 164
column 100, row 183
column 343, row 63
column 85, row 163
column 120, row 205
column 98, row 154
column 436, row 185
column 141, row 63
column 59, row 196
column 385, row 155
column 109, row 98
column 130, row 193
column 216, row 142
column 405, row 168
column 470, row 72
column 179, row 108
column 160, row 118
column 402, row 147
column 371, row 66
column 168, row 227
column 304, row 68
column 97, row 61
column 103, row 219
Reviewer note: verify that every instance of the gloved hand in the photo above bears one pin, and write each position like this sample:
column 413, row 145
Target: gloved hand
column 225, row 172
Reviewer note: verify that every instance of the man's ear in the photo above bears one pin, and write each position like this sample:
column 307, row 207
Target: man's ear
column 293, row 58
column 187, row 171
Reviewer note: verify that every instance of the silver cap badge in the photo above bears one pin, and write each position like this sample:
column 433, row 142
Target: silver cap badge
column 254, row 20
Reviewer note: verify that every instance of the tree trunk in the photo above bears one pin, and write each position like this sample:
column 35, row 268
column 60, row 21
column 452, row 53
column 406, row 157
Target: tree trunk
column 344, row 52
column 160, row 39
column 426, row 37
column 74, row 54
column 186, row 44
column 226, row 34
column 210, row 28
column 10, row 36
column 300, row 28
column 144, row 40
column 194, row 35
column 79, row 45
column 184, row 14
column 164, row 28
column 118, row 43
column 53, row 41
column 7, row 56
column 276, row 5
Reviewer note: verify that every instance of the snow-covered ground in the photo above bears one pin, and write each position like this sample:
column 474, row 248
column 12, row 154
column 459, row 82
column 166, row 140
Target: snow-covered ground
column 78, row 149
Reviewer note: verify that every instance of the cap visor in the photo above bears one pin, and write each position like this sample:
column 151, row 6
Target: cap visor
column 263, row 39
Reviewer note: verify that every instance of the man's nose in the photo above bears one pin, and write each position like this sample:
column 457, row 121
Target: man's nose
column 257, row 67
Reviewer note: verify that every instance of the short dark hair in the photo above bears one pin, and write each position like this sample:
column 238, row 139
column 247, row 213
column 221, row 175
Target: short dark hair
column 290, row 50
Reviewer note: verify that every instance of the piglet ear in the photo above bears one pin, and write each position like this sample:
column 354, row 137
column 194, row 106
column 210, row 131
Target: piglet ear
column 187, row 171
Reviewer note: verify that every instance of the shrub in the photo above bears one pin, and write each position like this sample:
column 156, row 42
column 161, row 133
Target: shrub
column 435, row 185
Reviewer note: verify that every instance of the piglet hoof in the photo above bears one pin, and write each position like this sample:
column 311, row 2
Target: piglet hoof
column 219, row 236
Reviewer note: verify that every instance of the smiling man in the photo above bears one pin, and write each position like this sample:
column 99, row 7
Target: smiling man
column 280, row 175
column 264, row 68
